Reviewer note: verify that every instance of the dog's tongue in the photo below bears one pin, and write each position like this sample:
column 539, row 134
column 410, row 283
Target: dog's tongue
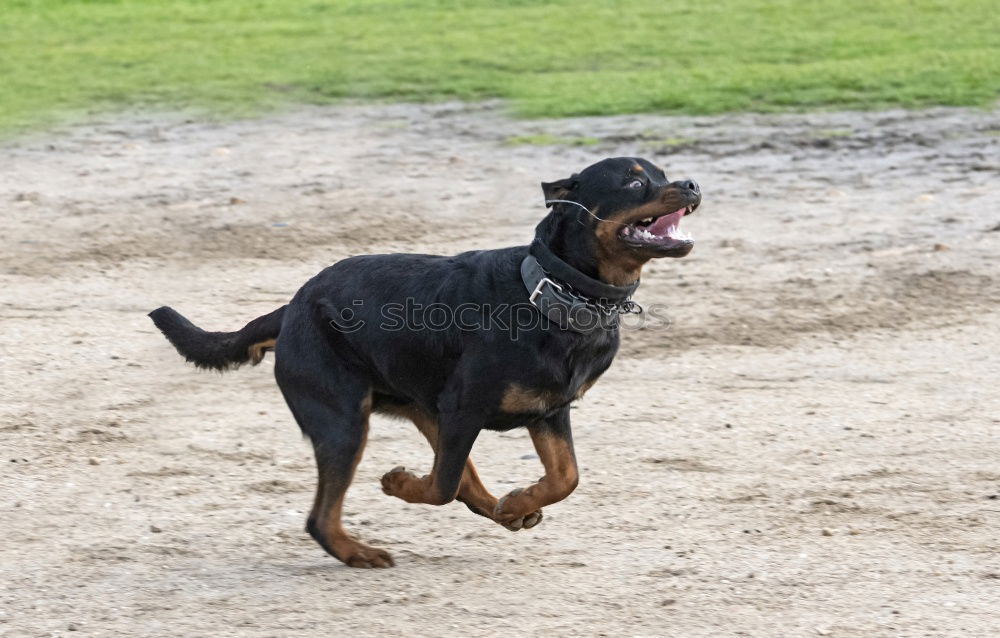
column 665, row 223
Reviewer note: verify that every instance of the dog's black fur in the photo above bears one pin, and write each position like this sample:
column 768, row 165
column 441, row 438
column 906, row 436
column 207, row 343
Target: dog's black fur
column 336, row 361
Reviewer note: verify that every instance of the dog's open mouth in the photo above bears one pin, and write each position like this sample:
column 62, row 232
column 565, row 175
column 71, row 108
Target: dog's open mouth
column 661, row 232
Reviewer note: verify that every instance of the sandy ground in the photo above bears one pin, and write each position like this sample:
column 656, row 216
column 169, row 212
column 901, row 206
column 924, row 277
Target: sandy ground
column 811, row 448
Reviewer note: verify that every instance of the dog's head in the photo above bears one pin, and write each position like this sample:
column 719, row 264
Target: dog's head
column 628, row 211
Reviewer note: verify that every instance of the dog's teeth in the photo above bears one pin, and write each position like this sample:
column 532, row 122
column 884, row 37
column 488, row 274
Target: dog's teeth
column 648, row 220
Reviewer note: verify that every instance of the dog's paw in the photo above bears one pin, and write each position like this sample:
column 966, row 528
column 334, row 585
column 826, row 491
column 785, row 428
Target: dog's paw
column 511, row 521
column 525, row 522
column 357, row 554
column 395, row 480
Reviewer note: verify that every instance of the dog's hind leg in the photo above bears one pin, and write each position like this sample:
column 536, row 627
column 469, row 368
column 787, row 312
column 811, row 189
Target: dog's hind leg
column 337, row 425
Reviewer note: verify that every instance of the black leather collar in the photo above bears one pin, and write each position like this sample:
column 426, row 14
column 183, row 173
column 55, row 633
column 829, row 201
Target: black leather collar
column 595, row 289
column 567, row 297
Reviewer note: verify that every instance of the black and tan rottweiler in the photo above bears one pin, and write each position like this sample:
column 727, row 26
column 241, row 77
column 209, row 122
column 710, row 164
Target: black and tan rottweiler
column 491, row 339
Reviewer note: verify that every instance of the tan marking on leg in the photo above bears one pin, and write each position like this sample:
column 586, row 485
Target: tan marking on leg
column 329, row 506
column 583, row 389
column 259, row 349
column 471, row 490
column 518, row 399
column 409, row 487
column 561, row 478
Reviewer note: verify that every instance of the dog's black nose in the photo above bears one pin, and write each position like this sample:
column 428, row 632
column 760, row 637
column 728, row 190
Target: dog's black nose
column 691, row 185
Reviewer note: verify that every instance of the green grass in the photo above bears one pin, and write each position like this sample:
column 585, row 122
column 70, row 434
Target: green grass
column 544, row 139
column 238, row 57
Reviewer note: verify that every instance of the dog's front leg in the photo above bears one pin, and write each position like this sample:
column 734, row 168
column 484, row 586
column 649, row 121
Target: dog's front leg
column 456, row 434
column 553, row 441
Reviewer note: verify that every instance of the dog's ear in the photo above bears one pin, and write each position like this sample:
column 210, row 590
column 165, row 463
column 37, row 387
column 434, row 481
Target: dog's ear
column 559, row 189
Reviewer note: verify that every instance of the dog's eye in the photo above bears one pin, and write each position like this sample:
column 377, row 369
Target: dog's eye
column 635, row 183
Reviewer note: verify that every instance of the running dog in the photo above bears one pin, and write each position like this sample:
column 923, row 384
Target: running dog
column 344, row 348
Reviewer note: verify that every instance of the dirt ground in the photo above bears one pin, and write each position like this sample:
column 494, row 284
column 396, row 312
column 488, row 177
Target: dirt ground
column 812, row 447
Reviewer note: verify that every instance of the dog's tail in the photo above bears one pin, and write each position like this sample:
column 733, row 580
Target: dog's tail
column 219, row 350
